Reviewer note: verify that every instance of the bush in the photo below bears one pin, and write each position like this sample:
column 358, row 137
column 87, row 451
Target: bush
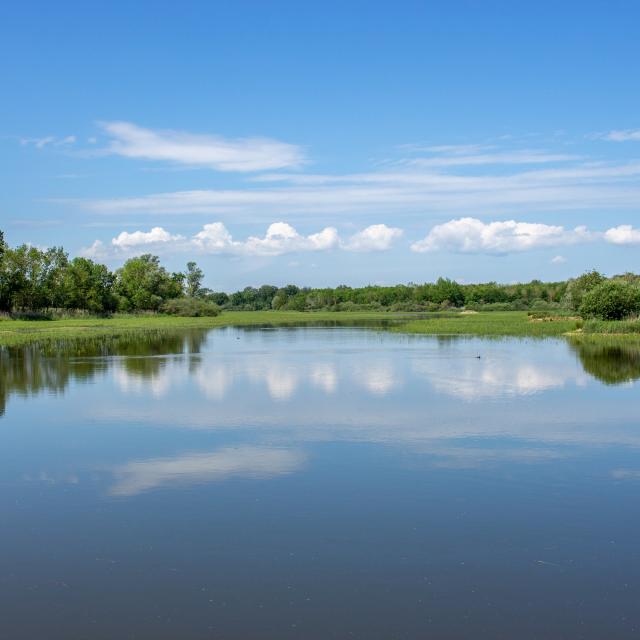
column 190, row 307
column 611, row 300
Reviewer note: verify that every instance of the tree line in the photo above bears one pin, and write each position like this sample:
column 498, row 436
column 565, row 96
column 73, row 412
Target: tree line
column 37, row 281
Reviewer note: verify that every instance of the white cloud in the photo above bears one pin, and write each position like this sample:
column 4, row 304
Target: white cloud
column 280, row 238
column 513, row 158
column 405, row 190
column 283, row 238
column 377, row 237
column 448, row 149
column 157, row 235
column 96, row 251
column 623, row 234
column 216, row 152
column 558, row 260
column 214, row 238
column 470, row 235
column 41, row 143
column 623, row 135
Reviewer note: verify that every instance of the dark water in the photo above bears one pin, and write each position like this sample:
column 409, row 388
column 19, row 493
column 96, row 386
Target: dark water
column 319, row 483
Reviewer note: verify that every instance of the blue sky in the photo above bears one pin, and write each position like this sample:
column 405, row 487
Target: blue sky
column 326, row 143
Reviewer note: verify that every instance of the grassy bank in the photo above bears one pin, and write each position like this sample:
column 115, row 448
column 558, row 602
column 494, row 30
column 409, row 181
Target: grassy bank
column 510, row 323
column 17, row 332
column 493, row 323
column 612, row 327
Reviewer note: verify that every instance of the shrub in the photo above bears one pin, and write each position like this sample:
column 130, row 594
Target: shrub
column 190, row 307
column 611, row 300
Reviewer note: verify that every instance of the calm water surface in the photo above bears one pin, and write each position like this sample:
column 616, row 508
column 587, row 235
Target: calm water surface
column 319, row 483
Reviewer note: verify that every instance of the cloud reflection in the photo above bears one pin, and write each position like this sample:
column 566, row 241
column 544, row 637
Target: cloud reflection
column 324, row 376
column 256, row 462
column 377, row 377
column 476, row 378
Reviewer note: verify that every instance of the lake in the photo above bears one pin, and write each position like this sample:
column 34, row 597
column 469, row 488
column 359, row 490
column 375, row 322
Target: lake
column 319, row 483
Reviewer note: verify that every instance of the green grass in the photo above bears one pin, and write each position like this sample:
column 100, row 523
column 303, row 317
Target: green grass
column 495, row 323
column 612, row 327
column 492, row 323
column 18, row 332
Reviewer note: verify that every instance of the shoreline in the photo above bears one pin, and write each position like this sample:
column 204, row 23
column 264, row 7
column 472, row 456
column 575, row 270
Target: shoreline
column 487, row 323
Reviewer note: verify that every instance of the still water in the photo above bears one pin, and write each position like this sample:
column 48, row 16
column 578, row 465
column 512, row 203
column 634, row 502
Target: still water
column 319, row 483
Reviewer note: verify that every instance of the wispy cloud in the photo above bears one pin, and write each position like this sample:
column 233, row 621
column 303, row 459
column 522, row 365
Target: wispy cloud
column 405, row 190
column 199, row 150
column 41, row 143
column 478, row 159
column 470, row 235
column 623, row 135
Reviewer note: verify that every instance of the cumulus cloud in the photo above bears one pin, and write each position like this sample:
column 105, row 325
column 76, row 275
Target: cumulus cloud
column 198, row 150
column 623, row 234
column 214, row 238
column 558, row 260
column 283, row 238
column 96, row 251
column 623, row 135
column 280, row 238
column 377, row 237
column 470, row 235
column 157, row 235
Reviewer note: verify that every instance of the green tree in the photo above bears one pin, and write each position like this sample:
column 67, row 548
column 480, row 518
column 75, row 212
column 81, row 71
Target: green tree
column 577, row 288
column 611, row 300
column 144, row 284
column 88, row 285
column 193, row 279
column 447, row 291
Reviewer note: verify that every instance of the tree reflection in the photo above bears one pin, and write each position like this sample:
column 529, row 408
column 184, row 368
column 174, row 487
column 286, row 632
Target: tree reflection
column 32, row 369
column 612, row 362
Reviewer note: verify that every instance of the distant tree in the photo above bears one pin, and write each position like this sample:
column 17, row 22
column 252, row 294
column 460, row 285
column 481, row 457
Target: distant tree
column 279, row 300
column 298, row 302
column 447, row 291
column 219, row 297
column 193, row 279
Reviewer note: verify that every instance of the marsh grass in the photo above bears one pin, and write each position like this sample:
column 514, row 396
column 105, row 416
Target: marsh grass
column 20, row 332
column 490, row 323
column 496, row 323
column 612, row 327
